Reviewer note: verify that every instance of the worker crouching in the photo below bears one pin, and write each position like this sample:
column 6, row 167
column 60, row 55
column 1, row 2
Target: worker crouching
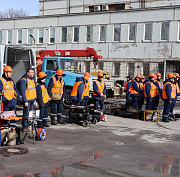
column 169, row 96
column 77, row 93
column 99, row 90
column 56, row 89
column 42, row 99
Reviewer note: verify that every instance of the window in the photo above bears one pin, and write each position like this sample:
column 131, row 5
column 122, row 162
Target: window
column 64, row 34
column 132, row 32
column 131, row 70
column 146, row 69
column 19, row 36
column 116, row 69
column 102, row 33
column 52, row 65
column 52, row 35
column 88, row 67
column 0, row 37
column 30, row 39
column 100, row 65
column 9, row 36
column 41, row 34
column 117, row 32
column 76, row 34
column 148, row 32
column 142, row 3
column 165, row 31
column 88, row 33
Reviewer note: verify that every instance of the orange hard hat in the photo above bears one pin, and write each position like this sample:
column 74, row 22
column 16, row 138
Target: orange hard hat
column 138, row 76
column 87, row 74
column 142, row 77
column 176, row 74
column 100, row 74
column 151, row 74
column 59, row 72
column 155, row 77
column 42, row 74
column 7, row 69
column 158, row 74
column 86, row 77
column 170, row 75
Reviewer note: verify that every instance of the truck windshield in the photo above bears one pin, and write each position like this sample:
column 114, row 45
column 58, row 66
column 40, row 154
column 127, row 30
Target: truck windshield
column 68, row 65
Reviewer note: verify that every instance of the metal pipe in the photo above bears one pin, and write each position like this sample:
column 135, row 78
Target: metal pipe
column 164, row 69
column 69, row 6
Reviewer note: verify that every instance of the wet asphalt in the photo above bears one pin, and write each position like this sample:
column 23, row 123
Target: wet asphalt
column 122, row 146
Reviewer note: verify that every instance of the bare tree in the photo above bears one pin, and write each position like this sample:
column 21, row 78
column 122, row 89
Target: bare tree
column 12, row 13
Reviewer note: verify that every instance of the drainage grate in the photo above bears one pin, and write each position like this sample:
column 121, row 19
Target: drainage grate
column 8, row 151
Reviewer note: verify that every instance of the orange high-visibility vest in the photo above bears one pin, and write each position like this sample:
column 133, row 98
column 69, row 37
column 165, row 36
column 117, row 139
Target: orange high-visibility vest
column 153, row 91
column 125, row 88
column 133, row 91
column 75, row 89
column 8, row 89
column 177, row 87
column 86, row 90
column 173, row 90
column 58, row 86
column 45, row 95
column 100, row 87
column 30, row 89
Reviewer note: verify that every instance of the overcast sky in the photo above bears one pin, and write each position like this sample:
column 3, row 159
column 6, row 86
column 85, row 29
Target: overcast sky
column 29, row 6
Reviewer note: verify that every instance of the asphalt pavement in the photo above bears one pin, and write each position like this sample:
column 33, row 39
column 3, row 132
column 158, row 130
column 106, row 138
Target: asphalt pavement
column 122, row 146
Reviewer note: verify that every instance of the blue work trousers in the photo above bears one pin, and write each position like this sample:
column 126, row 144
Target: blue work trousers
column 135, row 100
column 84, row 102
column 141, row 101
column 167, row 108
column 56, row 109
column 172, row 105
column 42, row 121
column 97, row 103
column 25, row 121
column 12, row 122
column 156, row 102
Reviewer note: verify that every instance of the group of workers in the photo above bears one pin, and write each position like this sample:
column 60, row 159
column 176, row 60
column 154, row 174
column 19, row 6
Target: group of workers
column 151, row 90
column 30, row 93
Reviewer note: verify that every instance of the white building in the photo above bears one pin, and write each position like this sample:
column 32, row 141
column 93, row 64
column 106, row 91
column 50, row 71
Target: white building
column 134, row 37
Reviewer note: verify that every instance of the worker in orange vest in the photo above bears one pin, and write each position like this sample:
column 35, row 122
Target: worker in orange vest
column 56, row 89
column 28, row 93
column 141, row 99
column 78, row 90
column 86, row 90
column 150, row 92
column 99, row 90
column 158, row 89
column 10, row 98
column 43, row 100
column 177, row 83
column 168, row 95
column 135, row 91
column 127, row 88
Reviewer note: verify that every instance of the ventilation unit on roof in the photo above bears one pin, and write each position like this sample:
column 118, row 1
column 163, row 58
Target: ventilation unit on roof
column 97, row 8
column 105, row 7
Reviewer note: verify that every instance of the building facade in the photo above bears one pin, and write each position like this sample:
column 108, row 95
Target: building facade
column 133, row 37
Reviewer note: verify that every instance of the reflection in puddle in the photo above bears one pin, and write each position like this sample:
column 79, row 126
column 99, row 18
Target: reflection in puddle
column 71, row 170
column 170, row 167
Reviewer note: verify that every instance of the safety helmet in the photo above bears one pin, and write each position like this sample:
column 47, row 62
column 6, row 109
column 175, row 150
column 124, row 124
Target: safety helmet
column 158, row 74
column 7, row 69
column 151, row 75
column 142, row 77
column 59, row 72
column 86, row 77
column 176, row 74
column 87, row 74
column 42, row 74
column 100, row 74
column 170, row 75
column 155, row 77
column 138, row 76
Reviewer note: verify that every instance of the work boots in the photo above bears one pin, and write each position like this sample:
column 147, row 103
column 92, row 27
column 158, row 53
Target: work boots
column 53, row 122
column 59, row 121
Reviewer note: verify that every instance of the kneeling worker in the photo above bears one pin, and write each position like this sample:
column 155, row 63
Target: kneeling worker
column 42, row 99
column 99, row 89
column 78, row 90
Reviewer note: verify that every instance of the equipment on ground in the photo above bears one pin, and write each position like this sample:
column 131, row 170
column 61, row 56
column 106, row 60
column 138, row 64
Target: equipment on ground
column 151, row 115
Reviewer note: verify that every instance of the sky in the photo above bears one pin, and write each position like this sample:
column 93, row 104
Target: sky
column 29, row 6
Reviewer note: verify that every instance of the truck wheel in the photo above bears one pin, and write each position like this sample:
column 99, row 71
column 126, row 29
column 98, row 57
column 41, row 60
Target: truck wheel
column 85, row 123
column 94, row 121
column 67, row 100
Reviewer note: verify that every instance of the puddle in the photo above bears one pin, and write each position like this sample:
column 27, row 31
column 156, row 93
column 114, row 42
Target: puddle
column 170, row 167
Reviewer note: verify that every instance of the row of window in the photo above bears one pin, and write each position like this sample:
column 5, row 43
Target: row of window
column 132, row 28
